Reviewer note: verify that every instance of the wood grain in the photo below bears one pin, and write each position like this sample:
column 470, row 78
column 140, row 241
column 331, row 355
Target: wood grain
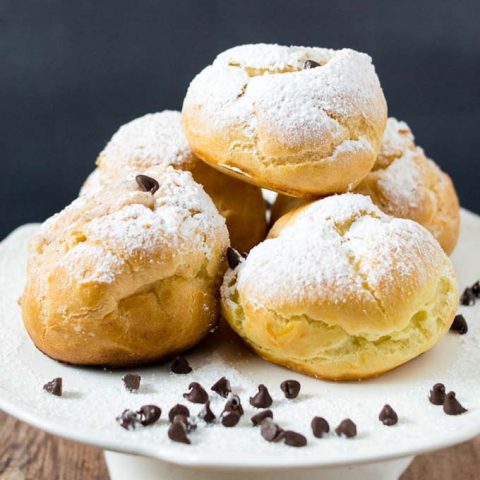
column 30, row 454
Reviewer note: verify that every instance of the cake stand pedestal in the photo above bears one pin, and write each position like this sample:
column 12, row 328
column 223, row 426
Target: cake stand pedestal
column 125, row 467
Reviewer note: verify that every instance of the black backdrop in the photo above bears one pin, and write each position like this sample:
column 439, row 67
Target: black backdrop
column 71, row 72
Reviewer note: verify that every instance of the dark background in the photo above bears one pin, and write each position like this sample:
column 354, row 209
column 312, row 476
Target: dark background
column 71, row 72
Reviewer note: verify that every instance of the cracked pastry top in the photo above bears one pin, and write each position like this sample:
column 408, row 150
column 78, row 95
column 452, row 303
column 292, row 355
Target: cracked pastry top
column 404, row 183
column 258, row 113
column 340, row 290
column 158, row 140
column 123, row 276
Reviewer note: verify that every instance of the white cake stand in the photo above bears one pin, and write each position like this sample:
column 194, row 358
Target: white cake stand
column 93, row 397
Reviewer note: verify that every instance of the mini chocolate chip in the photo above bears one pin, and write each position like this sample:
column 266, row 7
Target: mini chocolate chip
column 291, row 388
column 346, row 428
column 294, row 439
column 131, row 381
column 451, row 406
column 262, row 398
column 475, row 288
column 258, row 418
column 222, row 387
column 206, row 413
column 270, row 431
column 178, row 433
column 149, row 414
column 128, row 419
column 197, row 393
column 230, row 418
column 437, row 394
column 147, row 184
column 310, row 64
column 54, row 387
column 388, row 416
column 188, row 424
column 233, row 404
column 234, row 257
column 178, row 409
column 319, row 427
column 468, row 297
column 459, row 325
column 180, row 366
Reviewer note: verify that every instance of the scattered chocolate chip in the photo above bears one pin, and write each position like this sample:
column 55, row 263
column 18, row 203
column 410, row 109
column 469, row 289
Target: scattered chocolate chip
column 147, row 184
column 319, row 427
column 270, row 431
column 222, row 387
column 131, row 381
column 230, row 418
column 475, row 288
column 468, row 297
column 258, row 418
column 459, row 325
column 54, row 387
column 262, row 398
column 294, row 439
column 388, row 416
column 291, row 388
column 188, row 424
column 206, row 413
column 178, row 433
column 178, row 409
column 234, row 257
column 128, row 420
column 437, row 394
column 180, row 366
column 149, row 414
column 310, row 64
column 197, row 393
column 233, row 404
column 346, row 428
column 451, row 406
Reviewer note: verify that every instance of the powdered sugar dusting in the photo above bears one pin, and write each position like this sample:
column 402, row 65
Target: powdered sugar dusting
column 155, row 139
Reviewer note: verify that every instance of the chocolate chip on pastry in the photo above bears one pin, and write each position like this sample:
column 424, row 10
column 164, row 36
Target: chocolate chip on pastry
column 230, row 418
column 234, row 257
column 149, row 414
column 294, row 439
column 206, row 413
column 270, row 431
column 234, row 404
column 178, row 409
column 129, row 420
column 178, row 433
column 468, row 298
column 310, row 64
column 147, row 184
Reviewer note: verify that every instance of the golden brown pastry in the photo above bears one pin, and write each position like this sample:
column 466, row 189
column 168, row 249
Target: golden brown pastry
column 158, row 140
column 340, row 290
column 125, row 276
column 298, row 120
column 406, row 184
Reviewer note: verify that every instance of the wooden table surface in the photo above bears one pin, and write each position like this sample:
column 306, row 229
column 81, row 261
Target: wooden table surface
column 30, row 454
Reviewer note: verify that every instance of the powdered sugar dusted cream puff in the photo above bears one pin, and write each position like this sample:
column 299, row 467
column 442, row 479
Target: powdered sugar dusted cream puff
column 340, row 290
column 127, row 275
column 406, row 184
column 298, row 120
column 158, row 140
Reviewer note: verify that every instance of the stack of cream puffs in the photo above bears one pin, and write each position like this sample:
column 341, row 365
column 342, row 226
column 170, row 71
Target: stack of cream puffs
column 352, row 277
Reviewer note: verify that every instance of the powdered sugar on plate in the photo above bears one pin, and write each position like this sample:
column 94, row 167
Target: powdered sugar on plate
column 93, row 397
